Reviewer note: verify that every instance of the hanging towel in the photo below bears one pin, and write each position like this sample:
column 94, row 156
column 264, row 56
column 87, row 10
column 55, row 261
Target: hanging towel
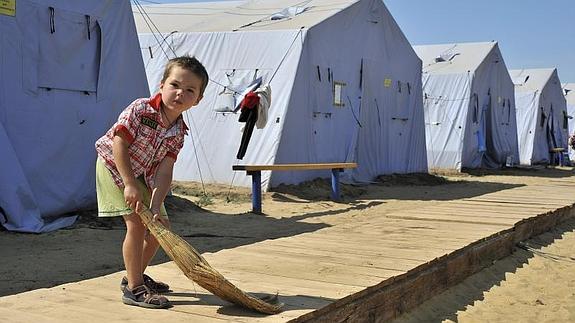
column 265, row 94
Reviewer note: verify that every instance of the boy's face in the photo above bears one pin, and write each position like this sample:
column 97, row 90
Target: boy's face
column 181, row 90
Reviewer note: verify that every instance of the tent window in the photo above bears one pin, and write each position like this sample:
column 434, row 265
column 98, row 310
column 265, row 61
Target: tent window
column 234, row 84
column 69, row 50
column 338, row 94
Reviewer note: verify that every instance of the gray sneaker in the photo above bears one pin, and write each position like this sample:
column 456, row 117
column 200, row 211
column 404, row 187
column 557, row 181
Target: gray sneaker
column 154, row 286
column 143, row 297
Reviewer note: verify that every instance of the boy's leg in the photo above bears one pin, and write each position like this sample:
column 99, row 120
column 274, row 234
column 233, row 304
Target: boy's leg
column 151, row 245
column 150, row 248
column 132, row 250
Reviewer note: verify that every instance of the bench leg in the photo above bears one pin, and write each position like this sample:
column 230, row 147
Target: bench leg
column 335, row 196
column 256, row 191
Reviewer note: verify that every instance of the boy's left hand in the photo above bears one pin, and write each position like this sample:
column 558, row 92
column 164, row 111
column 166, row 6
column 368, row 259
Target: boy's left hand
column 162, row 219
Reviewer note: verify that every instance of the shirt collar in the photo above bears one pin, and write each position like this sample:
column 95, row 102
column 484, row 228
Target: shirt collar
column 156, row 101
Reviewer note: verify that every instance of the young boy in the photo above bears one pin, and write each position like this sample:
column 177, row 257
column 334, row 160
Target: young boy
column 135, row 157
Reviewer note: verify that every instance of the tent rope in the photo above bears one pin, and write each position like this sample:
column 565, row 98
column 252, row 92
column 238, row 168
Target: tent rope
column 149, row 21
column 196, row 155
column 286, row 53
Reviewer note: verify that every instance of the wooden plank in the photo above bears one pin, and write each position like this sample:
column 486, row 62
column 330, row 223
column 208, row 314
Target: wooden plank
column 294, row 166
column 455, row 219
column 309, row 270
column 326, row 263
column 350, row 254
column 476, row 214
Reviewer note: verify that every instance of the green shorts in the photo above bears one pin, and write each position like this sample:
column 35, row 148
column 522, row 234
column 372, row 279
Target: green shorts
column 111, row 201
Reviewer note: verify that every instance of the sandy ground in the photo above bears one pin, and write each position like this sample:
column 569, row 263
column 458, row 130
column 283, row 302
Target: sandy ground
column 534, row 284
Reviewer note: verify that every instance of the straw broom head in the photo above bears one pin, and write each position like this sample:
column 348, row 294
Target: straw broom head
column 196, row 268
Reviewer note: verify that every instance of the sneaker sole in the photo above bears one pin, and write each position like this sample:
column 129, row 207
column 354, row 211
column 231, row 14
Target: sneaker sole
column 129, row 301
column 123, row 287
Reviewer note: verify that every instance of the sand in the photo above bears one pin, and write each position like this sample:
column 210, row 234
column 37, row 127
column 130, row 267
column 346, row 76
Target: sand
column 527, row 286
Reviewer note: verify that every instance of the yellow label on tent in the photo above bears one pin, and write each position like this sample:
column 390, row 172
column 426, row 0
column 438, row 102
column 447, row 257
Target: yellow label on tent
column 387, row 82
column 8, row 7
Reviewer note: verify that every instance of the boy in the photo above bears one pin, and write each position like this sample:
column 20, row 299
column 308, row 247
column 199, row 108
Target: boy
column 135, row 157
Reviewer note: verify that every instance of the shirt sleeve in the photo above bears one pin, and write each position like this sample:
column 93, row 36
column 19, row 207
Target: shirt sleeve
column 128, row 121
column 174, row 147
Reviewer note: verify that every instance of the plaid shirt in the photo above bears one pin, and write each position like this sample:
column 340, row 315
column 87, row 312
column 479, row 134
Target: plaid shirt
column 150, row 141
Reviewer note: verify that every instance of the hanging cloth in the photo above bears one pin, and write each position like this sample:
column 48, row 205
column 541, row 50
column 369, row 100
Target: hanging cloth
column 265, row 95
column 249, row 115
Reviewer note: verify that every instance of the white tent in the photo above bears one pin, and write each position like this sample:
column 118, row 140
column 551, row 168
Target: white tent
column 569, row 92
column 541, row 114
column 469, row 106
column 67, row 70
column 346, row 86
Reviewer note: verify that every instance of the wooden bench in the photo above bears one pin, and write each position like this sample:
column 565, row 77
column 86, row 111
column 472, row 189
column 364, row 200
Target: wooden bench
column 255, row 171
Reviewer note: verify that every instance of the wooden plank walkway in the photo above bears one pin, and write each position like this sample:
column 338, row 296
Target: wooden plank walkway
column 374, row 266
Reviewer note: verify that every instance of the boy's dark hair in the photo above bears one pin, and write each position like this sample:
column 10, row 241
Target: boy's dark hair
column 191, row 64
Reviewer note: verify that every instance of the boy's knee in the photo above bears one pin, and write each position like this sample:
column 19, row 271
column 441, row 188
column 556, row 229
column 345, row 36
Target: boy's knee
column 134, row 222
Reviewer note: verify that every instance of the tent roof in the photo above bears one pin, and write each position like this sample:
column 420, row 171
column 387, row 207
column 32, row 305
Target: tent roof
column 234, row 15
column 453, row 58
column 570, row 96
column 531, row 79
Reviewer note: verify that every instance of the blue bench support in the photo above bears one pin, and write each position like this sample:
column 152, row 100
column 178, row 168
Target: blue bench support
column 335, row 196
column 557, row 156
column 256, row 191
column 255, row 171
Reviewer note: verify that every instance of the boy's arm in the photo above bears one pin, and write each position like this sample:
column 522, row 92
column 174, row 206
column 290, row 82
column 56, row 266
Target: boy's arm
column 122, row 160
column 162, row 183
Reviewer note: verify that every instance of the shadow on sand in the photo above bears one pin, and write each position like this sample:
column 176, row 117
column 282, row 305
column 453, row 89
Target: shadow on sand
column 531, row 171
column 291, row 302
column 420, row 187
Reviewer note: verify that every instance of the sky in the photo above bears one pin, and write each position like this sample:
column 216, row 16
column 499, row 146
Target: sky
column 530, row 33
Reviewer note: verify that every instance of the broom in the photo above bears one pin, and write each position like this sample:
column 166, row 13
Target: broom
column 196, row 268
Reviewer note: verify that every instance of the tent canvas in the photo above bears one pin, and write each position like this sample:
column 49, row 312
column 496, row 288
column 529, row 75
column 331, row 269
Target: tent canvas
column 469, row 106
column 569, row 92
column 67, row 70
column 363, row 104
column 541, row 114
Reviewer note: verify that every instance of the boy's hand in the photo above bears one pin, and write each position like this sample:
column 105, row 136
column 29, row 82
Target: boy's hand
column 162, row 219
column 132, row 195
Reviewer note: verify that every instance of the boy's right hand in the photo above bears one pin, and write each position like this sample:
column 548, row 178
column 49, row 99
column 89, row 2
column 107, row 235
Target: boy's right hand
column 132, row 195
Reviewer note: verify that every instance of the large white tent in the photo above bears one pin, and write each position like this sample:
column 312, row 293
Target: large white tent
column 67, row 70
column 469, row 106
column 541, row 114
column 346, row 86
column 569, row 92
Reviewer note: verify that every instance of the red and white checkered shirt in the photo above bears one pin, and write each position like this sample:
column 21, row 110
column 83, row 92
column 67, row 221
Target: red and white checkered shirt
column 150, row 140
